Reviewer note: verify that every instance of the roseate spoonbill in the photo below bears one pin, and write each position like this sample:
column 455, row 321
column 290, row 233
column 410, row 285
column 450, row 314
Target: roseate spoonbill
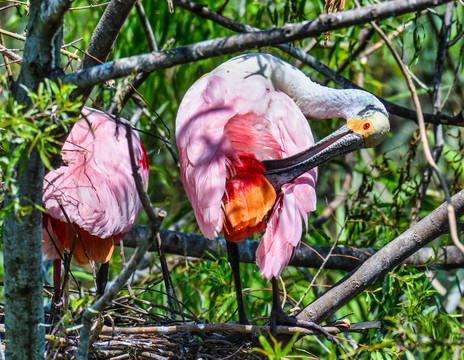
column 248, row 159
column 93, row 194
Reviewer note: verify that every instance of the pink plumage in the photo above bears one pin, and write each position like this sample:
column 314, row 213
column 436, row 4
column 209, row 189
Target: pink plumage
column 96, row 189
column 234, row 112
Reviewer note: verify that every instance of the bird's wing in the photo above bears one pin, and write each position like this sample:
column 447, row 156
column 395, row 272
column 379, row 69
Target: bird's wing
column 220, row 115
column 199, row 134
column 285, row 226
column 95, row 187
column 296, row 201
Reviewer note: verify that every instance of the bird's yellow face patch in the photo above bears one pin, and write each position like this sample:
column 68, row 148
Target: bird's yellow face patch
column 373, row 126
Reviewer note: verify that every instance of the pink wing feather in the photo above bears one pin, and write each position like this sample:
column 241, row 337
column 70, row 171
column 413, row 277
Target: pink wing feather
column 96, row 187
column 226, row 114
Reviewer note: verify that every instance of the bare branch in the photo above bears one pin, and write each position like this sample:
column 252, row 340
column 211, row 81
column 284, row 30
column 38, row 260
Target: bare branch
column 106, row 32
column 221, row 46
column 437, row 107
column 146, row 26
column 251, row 329
column 307, row 59
column 339, row 199
column 416, row 237
column 10, row 55
column 343, row 258
column 104, row 37
column 426, row 149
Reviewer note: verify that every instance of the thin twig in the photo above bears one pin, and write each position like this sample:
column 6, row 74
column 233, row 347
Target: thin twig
column 321, row 267
column 423, row 132
column 363, row 40
column 146, row 26
column 23, row 38
column 10, row 55
column 381, row 43
column 156, row 217
column 338, row 200
column 437, row 107
column 90, row 6
column 455, row 77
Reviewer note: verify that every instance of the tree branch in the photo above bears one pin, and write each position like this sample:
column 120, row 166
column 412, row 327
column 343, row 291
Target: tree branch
column 250, row 329
column 53, row 11
column 317, row 65
column 104, row 37
column 373, row 269
column 123, row 95
column 24, row 313
column 437, row 107
column 343, row 258
column 156, row 217
column 11, row 55
column 227, row 45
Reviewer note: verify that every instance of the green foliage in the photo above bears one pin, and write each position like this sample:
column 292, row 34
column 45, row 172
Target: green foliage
column 416, row 325
column 273, row 349
column 23, row 130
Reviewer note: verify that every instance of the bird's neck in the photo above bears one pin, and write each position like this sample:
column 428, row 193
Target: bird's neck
column 321, row 102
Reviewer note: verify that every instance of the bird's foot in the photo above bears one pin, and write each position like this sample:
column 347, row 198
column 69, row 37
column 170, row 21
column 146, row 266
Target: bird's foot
column 279, row 317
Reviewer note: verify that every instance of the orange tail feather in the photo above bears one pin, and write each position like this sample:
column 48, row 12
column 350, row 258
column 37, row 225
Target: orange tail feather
column 96, row 248
column 249, row 199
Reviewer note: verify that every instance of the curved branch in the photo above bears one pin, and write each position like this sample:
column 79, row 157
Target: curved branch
column 342, row 258
column 307, row 59
column 227, row 45
column 398, row 250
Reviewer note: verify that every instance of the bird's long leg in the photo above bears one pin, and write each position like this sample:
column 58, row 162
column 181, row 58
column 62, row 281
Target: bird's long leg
column 102, row 278
column 234, row 260
column 56, row 281
column 279, row 317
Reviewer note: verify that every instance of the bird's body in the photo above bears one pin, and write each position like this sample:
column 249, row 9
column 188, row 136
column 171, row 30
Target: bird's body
column 226, row 121
column 94, row 194
column 247, row 155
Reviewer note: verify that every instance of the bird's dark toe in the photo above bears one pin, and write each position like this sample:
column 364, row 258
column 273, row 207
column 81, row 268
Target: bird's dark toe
column 281, row 318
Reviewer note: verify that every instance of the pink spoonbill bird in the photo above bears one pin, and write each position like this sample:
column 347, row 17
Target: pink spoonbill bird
column 248, row 159
column 93, row 195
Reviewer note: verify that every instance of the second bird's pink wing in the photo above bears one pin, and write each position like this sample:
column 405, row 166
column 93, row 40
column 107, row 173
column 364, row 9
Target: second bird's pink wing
column 96, row 188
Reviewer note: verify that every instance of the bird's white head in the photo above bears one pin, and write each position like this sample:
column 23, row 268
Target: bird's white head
column 371, row 124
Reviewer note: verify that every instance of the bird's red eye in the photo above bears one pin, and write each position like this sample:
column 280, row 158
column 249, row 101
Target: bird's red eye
column 366, row 126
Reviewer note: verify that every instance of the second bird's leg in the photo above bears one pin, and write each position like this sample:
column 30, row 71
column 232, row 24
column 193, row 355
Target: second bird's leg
column 102, row 278
column 234, row 260
column 56, row 281
column 279, row 317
